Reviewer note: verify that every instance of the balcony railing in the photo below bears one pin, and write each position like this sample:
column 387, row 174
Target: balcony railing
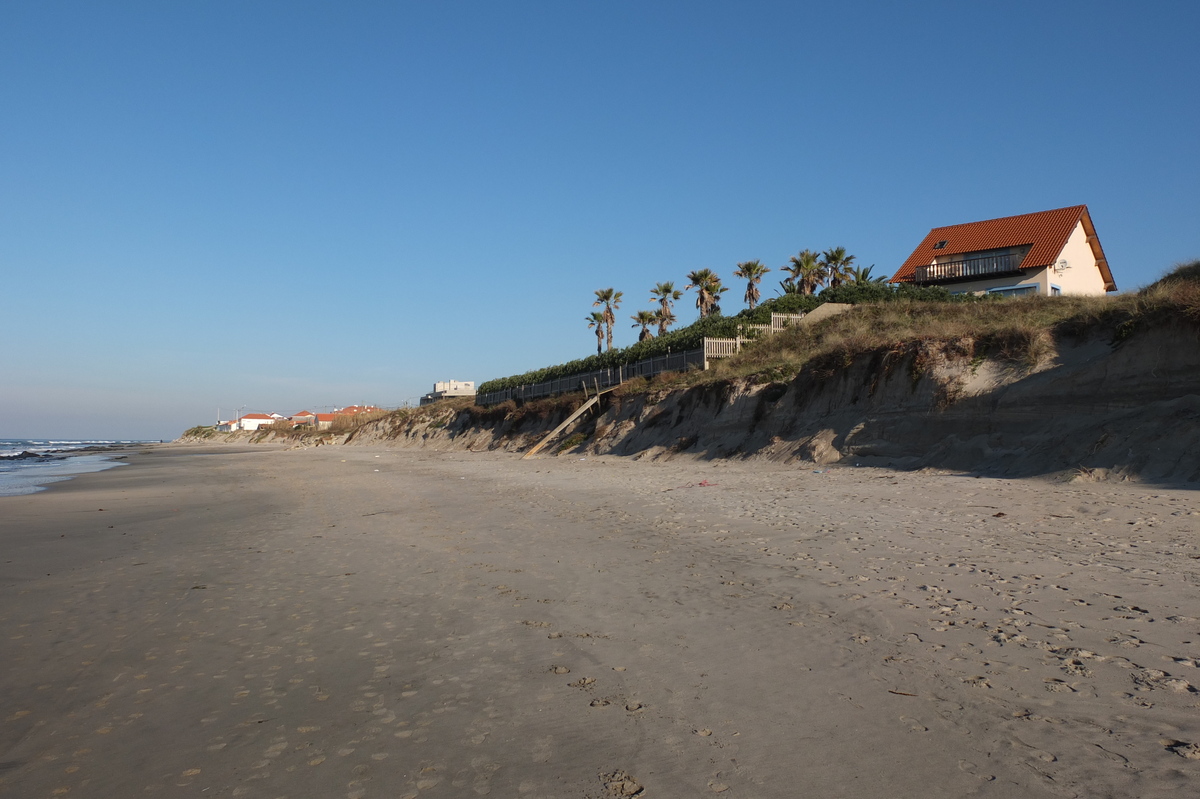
column 967, row 269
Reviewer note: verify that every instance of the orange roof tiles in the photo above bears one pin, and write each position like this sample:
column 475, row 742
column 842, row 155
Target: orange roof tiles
column 1046, row 231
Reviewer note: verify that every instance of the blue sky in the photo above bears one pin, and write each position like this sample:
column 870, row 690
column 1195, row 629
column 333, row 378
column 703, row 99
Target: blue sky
column 300, row 205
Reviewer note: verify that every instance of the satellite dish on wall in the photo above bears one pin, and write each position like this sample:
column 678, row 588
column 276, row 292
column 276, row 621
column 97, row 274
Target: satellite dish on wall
column 1061, row 266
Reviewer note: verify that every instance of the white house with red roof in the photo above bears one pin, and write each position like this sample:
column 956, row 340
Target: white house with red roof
column 253, row 421
column 1048, row 253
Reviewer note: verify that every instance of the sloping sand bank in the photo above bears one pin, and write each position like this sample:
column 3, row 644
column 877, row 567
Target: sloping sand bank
column 1088, row 407
column 362, row 622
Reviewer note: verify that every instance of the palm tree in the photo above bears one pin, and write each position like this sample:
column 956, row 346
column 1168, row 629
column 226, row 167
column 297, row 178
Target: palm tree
column 861, row 275
column 611, row 300
column 752, row 272
column 665, row 294
column 644, row 319
column 837, row 265
column 708, row 290
column 807, row 273
column 596, row 320
column 664, row 319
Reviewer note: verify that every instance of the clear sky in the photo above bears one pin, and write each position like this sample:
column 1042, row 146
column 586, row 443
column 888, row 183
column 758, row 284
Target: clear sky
column 296, row 205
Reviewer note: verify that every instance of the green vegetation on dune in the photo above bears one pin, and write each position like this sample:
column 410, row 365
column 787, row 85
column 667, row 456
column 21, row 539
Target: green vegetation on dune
column 1019, row 329
column 892, row 318
column 717, row 326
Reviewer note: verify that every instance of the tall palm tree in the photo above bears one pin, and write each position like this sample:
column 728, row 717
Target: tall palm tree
column 752, row 272
column 807, row 272
column 644, row 319
column 837, row 265
column 861, row 275
column 664, row 319
column 708, row 290
column 611, row 300
column 665, row 295
column 596, row 320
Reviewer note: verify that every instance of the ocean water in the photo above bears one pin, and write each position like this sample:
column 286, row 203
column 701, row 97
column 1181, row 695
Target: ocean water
column 28, row 465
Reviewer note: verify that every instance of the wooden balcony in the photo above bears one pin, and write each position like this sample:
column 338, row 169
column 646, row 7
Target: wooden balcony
column 968, row 269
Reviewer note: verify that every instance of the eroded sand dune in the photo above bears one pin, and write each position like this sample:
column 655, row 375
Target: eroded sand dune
column 1090, row 408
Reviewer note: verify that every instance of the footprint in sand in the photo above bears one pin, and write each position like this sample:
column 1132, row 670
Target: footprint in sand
column 621, row 783
column 1150, row 679
column 972, row 769
column 1182, row 748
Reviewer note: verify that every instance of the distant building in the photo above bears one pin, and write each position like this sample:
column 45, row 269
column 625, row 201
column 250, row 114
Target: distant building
column 304, row 418
column 449, row 388
column 1048, row 253
column 355, row 410
column 253, row 421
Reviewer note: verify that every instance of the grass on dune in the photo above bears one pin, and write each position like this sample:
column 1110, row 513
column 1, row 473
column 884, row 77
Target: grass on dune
column 1021, row 330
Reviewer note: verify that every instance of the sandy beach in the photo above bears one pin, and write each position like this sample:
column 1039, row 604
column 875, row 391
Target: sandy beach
column 363, row 622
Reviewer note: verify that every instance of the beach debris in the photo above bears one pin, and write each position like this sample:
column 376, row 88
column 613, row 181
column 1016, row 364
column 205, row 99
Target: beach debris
column 702, row 484
column 560, row 670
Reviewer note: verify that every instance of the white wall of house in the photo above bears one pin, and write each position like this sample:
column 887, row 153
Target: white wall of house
column 454, row 387
column 254, row 424
column 1082, row 276
column 1032, row 277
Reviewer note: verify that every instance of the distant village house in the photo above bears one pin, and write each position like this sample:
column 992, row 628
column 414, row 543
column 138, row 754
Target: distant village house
column 449, row 388
column 1047, row 253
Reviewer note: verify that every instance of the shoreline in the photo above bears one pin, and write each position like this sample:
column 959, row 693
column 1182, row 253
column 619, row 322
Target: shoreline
column 34, row 472
column 379, row 622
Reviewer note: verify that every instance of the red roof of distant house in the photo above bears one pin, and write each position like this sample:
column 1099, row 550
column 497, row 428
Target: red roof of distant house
column 303, row 413
column 351, row 410
column 1046, row 231
column 326, row 417
column 257, row 416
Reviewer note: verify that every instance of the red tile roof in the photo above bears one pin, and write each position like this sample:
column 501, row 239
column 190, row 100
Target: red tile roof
column 1046, row 231
column 352, row 410
column 257, row 416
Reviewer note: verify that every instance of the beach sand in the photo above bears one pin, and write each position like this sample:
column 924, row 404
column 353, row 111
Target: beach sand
column 361, row 622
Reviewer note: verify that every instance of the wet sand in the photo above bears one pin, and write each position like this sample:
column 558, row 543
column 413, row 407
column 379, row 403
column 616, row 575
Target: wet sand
column 359, row 622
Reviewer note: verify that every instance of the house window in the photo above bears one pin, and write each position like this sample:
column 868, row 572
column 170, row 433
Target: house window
column 1014, row 291
column 1055, row 291
column 940, row 245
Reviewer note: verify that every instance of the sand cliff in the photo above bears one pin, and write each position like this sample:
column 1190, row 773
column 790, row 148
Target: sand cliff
column 1088, row 408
